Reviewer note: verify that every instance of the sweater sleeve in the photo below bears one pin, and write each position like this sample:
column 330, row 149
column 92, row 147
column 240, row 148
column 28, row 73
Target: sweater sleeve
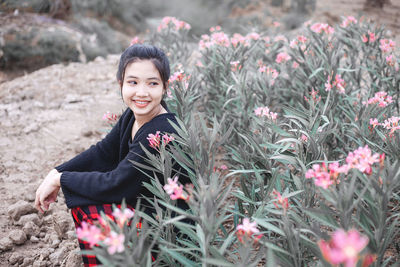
column 100, row 157
column 124, row 182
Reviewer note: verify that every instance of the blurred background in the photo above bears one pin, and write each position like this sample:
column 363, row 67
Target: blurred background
column 38, row 33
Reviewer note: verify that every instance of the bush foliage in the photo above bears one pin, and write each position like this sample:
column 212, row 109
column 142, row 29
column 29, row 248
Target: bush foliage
column 291, row 147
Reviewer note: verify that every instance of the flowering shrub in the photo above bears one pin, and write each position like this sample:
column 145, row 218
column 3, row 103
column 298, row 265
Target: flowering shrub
column 309, row 127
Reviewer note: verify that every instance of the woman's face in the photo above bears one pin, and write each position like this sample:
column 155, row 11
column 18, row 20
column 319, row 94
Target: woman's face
column 142, row 89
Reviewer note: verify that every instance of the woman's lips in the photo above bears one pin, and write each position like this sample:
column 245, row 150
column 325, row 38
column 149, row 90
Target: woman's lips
column 141, row 103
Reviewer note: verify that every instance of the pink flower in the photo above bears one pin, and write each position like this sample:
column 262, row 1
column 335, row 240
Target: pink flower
column 136, row 40
column 381, row 98
column 265, row 112
column 364, row 38
column 177, row 76
column 235, row 65
column 390, row 60
column 304, row 138
column 344, row 247
column 283, row 202
column 348, row 20
column 295, row 65
column 392, row 124
column 362, row 159
column 374, row 122
column 166, row 139
column 248, row 227
column 387, row 45
column 253, row 36
column 223, row 167
column 338, row 83
column 171, row 185
column 322, row 27
column 282, row 57
column 110, row 117
column 178, row 193
column 90, row 233
column 154, row 140
column 115, row 243
column 324, row 177
column 122, row 217
column 173, row 23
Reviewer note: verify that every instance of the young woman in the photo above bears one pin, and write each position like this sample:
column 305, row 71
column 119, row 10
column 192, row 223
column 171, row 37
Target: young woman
column 104, row 174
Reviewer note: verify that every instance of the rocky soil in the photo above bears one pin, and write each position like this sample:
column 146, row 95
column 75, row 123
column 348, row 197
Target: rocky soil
column 47, row 117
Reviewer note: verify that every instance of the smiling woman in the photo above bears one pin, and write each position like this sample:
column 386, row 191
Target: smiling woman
column 104, row 174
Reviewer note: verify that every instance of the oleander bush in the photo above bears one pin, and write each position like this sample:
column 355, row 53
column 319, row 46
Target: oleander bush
column 290, row 144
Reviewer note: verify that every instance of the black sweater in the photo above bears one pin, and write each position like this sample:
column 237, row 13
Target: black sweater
column 103, row 173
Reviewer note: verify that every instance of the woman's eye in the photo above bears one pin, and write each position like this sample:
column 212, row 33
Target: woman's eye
column 153, row 83
column 132, row 82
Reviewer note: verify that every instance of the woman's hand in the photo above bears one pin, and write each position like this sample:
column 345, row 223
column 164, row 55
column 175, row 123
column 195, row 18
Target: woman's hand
column 48, row 190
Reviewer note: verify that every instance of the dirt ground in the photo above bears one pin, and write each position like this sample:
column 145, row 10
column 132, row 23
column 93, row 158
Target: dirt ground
column 52, row 114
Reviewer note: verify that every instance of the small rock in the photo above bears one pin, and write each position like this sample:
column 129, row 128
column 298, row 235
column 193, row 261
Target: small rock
column 39, row 263
column 71, row 235
column 15, row 258
column 5, row 244
column 20, row 208
column 87, row 133
column 34, row 239
column 42, row 234
column 30, row 196
column 27, row 262
column 29, row 218
column 74, row 259
column 33, row 127
column 18, row 237
column 55, row 243
column 31, row 229
column 58, row 256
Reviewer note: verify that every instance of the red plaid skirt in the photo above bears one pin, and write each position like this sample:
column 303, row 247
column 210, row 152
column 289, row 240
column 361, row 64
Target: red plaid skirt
column 90, row 214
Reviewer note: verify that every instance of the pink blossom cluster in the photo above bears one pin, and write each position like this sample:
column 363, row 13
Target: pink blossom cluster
column 220, row 38
column 361, row 159
column 381, row 98
column 345, row 248
column 265, row 112
column 314, row 95
column 283, row 202
column 391, row 61
column 325, row 176
column 177, row 76
column 174, row 22
column 347, row 21
column 109, row 117
column 271, row 73
column 392, row 124
column 102, row 232
column 246, row 230
column 322, row 27
column 174, row 190
column 235, row 65
column 282, row 57
column 370, row 37
column 301, row 41
column 387, row 45
column 339, row 83
column 155, row 139
column 136, row 40
column 122, row 217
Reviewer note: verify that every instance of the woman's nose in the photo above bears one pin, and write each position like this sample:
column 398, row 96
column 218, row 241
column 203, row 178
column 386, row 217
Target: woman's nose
column 141, row 90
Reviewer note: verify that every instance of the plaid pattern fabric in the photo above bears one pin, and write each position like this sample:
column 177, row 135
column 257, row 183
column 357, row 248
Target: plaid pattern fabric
column 90, row 214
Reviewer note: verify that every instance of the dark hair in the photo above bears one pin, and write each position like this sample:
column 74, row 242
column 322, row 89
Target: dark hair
column 140, row 52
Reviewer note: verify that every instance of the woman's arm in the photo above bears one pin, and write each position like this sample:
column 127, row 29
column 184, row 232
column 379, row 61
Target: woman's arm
column 124, row 182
